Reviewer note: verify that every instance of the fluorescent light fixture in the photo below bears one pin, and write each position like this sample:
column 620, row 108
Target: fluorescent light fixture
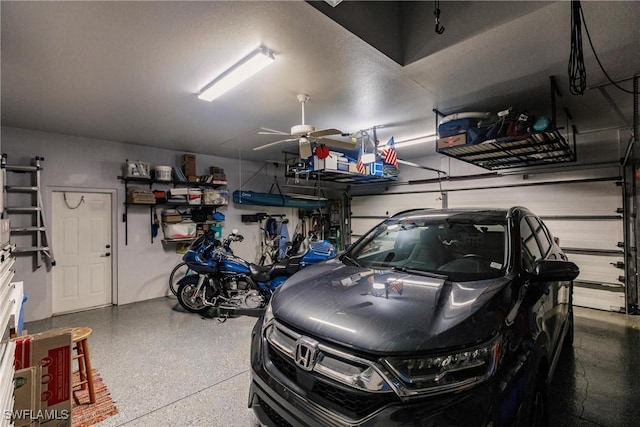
column 245, row 68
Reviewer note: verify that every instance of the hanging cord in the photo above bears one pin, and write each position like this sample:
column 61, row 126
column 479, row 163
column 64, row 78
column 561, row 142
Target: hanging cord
column 440, row 185
column 577, row 70
column 252, row 176
column 66, row 202
column 598, row 59
column 577, row 17
column 436, row 13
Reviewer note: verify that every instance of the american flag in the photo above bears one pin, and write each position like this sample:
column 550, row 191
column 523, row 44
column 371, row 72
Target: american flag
column 360, row 166
column 389, row 154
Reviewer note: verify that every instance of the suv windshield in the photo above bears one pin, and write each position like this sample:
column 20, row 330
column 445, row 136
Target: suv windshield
column 461, row 247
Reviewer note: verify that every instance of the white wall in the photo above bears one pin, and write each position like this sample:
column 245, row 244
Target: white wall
column 141, row 268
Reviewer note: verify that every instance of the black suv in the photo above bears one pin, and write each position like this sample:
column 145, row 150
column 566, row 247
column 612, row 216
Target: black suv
column 434, row 318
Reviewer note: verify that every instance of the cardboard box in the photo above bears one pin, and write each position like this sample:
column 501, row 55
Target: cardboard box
column 27, row 391
column 452, row 141
column 171, row 218
column 331, row 162
column 136, row 195
column 189, row 164
column 318, row 164
column 52, row 352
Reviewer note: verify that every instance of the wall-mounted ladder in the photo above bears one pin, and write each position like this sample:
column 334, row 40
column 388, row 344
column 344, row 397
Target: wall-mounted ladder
column 40, row 243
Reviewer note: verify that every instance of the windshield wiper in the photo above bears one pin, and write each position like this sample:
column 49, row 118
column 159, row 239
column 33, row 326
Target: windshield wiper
column 351, row 260
column 420, row 272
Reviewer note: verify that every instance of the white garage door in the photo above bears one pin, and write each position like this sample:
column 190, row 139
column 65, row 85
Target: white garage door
column 581, row 214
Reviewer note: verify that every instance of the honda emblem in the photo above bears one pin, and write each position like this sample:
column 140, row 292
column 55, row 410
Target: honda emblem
column 306, row 349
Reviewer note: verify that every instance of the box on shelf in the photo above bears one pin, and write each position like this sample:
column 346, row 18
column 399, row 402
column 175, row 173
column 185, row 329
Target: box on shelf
column 138, row 195
column 213, row 196
column 51, row 350
column 343, row 166
column 182, row 230
column 161, row 196
column 353, row 167
column 189, row 164
column 331, row 162
column 171, row 215
column 194, row 196
column 451, row 141
column 136, row 169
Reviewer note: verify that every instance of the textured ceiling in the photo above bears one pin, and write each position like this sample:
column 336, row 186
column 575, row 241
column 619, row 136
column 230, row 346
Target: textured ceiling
column 130, row 71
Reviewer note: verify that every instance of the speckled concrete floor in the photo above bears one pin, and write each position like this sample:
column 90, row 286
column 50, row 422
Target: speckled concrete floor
column 167, row 367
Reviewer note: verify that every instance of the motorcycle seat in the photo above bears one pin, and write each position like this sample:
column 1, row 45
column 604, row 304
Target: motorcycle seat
column 260, row 273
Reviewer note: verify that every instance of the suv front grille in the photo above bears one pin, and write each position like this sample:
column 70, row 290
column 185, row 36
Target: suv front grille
column 326, row 391
column 278, row 421
column 283, row 364
column 358, row 403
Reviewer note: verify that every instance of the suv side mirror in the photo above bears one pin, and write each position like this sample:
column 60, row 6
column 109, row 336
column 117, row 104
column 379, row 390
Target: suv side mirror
column 553, row 271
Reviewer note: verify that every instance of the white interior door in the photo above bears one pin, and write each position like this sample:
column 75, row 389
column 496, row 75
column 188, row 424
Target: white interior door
column 82, row 242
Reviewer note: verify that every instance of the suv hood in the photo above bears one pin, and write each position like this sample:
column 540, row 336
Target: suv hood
column 383, row 311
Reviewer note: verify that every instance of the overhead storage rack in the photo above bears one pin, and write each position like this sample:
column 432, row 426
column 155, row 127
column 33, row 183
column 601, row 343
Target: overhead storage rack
column 532, row 149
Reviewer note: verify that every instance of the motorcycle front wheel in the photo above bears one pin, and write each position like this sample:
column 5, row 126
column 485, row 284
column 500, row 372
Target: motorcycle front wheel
column 190, row 302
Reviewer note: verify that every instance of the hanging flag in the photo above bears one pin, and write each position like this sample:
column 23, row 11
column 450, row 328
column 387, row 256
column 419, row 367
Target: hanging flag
column 389, row 154
column 360, row 166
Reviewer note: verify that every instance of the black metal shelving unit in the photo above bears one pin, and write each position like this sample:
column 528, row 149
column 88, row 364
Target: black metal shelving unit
column 150, row 182
column 533, row 149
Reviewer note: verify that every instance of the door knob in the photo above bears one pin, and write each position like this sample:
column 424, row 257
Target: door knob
column 106, row 255
column 107, row 246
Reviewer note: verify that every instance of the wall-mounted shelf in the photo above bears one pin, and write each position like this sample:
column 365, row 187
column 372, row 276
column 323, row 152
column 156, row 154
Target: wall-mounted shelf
column 153, row 182
column 534, row 149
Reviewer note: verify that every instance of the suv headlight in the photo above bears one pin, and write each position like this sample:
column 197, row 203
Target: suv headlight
column 268, row 315
column 447, row 372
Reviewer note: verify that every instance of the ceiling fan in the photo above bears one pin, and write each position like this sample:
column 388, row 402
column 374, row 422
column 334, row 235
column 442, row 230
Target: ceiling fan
column 307, row 135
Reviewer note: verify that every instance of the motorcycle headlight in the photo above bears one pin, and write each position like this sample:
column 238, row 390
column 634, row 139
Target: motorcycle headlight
column 447, row 372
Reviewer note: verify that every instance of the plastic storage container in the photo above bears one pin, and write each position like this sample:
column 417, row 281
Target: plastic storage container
column 163, row 173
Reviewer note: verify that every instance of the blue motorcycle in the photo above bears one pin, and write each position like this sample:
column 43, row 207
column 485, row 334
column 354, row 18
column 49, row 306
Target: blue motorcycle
column 226, row 281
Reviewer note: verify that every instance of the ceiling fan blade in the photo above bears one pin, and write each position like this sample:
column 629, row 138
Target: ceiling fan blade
column 262, row 147
column 338, row 144
column 325, row 132
column 267, row 131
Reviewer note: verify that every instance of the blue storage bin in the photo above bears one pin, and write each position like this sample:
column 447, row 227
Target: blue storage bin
column 455, row 127
column 375, row 169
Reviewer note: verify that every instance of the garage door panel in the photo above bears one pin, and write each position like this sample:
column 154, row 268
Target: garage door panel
column 600, row 234
column 592, row 198
column 361, row 226
column 390, row 204
column 600, row 299
column 597, row 269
